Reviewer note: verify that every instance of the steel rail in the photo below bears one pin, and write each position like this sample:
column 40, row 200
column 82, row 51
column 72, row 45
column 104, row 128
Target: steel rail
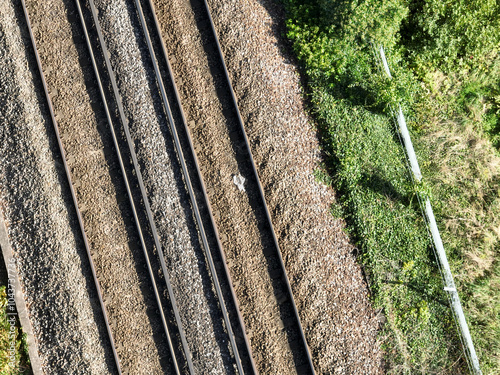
column 71, row 187
column 135, row 162
column 261, row 190
column 127, row 185
column 189, row 186
column 203, row 189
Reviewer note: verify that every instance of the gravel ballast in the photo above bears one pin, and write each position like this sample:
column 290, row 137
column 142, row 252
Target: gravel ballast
column 111, row 233
column 240, row 217
column 51, row 260
column 163, row 179
column 333, row 298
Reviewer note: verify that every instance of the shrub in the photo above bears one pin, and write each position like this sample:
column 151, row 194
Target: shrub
column 451, row 35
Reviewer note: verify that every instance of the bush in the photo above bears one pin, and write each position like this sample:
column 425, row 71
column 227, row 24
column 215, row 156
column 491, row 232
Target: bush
column 461, row 38
column 22, row 363
column 336, row 42
column 451, row 35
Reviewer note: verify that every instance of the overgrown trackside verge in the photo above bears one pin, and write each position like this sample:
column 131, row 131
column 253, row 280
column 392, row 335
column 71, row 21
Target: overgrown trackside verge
column 17, row 361
column 351, row 100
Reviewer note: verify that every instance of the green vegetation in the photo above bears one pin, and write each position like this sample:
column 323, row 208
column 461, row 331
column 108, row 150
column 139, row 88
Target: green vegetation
column 444, row 58
column 22, row 365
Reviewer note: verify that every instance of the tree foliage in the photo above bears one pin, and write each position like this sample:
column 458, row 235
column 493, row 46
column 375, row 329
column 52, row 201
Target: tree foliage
column 452, row 34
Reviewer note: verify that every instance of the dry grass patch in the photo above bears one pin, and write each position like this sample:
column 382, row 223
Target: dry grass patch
column 464, row 171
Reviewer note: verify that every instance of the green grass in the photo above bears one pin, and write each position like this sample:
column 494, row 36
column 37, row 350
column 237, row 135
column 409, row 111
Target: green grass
column 454, row 120
column 21, row 365
column 381, row 207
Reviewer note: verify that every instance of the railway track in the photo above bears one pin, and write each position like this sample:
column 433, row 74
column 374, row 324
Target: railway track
column 246, row 166
column 205, row 201
column 131, row 200
column 180, row 355
column 72, row 190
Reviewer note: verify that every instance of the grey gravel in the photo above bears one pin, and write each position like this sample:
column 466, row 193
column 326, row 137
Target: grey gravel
column 341, row 326
column 169, row 200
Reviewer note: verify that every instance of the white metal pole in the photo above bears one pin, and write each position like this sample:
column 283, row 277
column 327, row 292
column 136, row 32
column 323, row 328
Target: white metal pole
column 449, row 285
